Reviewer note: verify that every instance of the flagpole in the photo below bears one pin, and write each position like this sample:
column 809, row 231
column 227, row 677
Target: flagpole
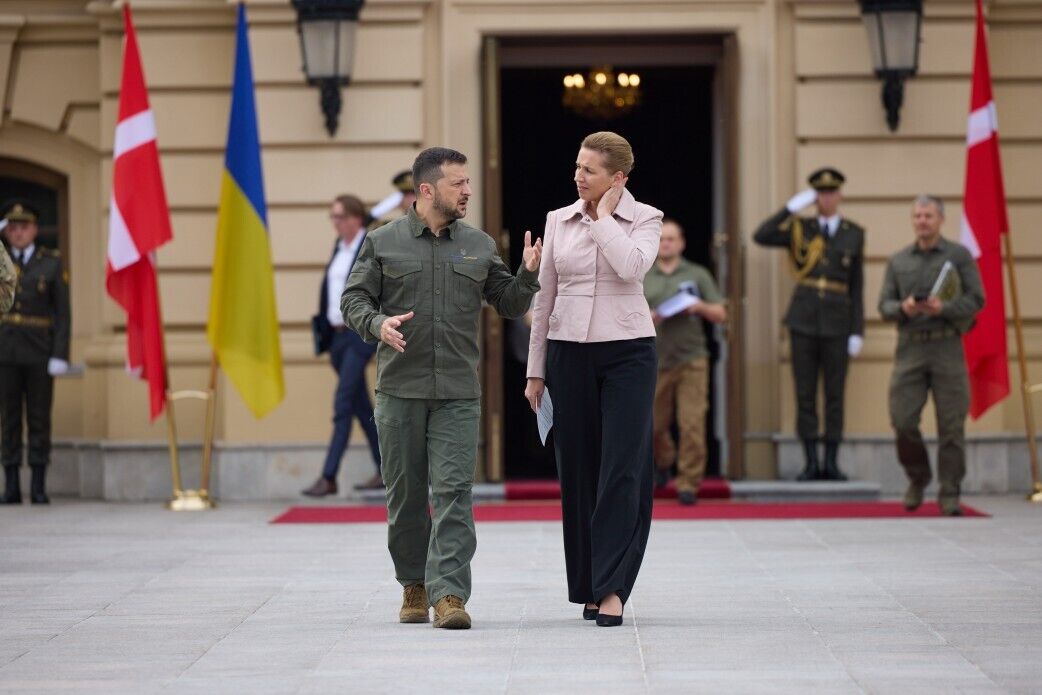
column 1026, row 389
column 171, row 433
column 208, row 433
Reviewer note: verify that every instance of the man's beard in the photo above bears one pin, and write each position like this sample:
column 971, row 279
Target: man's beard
column 445, row 209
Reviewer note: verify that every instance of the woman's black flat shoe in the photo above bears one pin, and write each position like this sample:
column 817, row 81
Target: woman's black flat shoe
column 590, row 613
column 609, row 620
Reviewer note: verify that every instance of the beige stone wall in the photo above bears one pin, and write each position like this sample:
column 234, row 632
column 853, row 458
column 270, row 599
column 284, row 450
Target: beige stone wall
column 187, row 55
column 62, row 63
column 838, row 120
column 806, row 96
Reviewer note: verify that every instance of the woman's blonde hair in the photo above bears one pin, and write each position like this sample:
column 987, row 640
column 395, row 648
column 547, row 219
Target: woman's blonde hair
column 618, row 155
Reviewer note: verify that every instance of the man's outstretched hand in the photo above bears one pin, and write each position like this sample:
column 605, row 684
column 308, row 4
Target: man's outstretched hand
column 389, row 330
column 532, row 253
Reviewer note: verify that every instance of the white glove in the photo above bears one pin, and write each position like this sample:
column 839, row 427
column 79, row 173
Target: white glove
column 854, row 344
column 801, row 200
column 386, row 205
column 56, row 366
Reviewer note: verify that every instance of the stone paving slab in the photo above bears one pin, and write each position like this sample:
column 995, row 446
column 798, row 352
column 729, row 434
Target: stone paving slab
column 127, row 598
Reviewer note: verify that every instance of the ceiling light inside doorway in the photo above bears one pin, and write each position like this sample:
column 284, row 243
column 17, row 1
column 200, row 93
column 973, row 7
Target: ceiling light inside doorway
column 601, row 94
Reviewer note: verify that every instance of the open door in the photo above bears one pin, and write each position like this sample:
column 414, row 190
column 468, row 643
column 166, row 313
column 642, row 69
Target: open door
column 690, row 106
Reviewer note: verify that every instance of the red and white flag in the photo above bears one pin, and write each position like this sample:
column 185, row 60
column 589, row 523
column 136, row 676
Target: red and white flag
column 139, row 223
column 984, row 222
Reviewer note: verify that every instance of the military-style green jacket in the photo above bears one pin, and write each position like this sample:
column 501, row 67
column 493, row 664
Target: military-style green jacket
column 403, row 267
column 37, row 327
column 8, row 278
column 829, row 302
column 913, row 271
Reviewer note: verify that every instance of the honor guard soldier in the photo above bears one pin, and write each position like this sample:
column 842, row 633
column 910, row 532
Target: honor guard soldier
column 34, row 347
column 826, row 315
column 395, row 205
column 932, row 290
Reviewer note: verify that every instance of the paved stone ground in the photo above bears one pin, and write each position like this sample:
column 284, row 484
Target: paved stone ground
column 133, row 599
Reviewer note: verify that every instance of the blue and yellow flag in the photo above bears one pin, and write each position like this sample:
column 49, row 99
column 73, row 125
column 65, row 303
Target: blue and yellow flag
column 244, row 328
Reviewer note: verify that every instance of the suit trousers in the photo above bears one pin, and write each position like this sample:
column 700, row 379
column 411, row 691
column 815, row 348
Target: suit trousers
column 349, row 356
column 813, row 356
column 26, row 395
column 603, row 396
column 430, row 443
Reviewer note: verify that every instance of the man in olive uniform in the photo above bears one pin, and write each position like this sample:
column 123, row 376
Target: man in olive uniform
column 682, row 384
column 932, row 290
column 8, row 279
column 417, row 288
column 826, row 316
column 34, row 347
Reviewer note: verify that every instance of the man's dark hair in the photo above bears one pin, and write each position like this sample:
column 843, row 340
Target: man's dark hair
column 427, row 167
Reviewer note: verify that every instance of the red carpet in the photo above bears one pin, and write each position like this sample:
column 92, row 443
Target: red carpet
column 517, row 490
column 550, row 511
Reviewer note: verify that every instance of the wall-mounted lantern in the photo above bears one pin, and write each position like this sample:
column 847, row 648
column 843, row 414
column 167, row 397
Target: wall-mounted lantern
column 893, row 38
column 327, row 42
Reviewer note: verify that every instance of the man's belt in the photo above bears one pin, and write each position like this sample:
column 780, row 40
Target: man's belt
column 25, row 320
column 931, row 335
column 823, row 284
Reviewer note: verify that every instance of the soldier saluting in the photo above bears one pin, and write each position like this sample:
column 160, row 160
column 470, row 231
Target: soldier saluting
column 34, row 347
column 826, row 316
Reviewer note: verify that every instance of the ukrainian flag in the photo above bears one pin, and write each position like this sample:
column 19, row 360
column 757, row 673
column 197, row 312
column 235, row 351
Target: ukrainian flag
column 243, row 329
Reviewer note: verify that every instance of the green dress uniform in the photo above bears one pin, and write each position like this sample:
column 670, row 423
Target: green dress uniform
column 827, row 307
column 930, row 358
column 8, row 280
column 428, row 397
column 34, row 331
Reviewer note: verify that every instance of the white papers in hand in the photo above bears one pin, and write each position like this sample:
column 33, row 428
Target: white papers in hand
column 679, row 302
column 946, row 270
column 545, row 416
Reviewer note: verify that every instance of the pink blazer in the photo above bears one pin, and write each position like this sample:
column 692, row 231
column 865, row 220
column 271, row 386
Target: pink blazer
column 592, row 277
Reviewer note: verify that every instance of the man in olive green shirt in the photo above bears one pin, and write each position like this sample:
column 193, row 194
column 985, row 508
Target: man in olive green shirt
column 683, row 360
column 417, row 288
column 932, row 290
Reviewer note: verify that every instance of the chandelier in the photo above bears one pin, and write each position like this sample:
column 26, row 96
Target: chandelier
column 601, row 94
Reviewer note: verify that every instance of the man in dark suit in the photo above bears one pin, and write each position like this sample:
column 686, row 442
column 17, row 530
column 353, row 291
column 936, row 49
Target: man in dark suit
column 34, row 347
column 348, row 353
column 826, row 317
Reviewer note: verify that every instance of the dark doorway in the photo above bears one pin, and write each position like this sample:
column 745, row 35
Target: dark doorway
column 672, row 136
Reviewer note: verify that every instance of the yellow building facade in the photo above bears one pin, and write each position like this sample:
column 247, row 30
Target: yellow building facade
column 796, row 92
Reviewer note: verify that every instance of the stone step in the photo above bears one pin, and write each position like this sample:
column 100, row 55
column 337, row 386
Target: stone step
column 813, row 491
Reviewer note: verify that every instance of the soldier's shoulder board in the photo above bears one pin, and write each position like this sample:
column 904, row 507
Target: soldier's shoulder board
column 851, row 224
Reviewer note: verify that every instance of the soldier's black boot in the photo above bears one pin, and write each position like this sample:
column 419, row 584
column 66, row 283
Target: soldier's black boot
column 832, row 471
column 12, row 486
column 37, row 495
column 812, row 469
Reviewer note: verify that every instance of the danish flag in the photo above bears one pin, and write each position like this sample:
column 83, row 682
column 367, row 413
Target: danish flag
column 984, row 222
column 139, row 223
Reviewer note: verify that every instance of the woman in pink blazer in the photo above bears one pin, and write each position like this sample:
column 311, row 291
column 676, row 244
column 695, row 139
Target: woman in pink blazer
column 593, row 347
